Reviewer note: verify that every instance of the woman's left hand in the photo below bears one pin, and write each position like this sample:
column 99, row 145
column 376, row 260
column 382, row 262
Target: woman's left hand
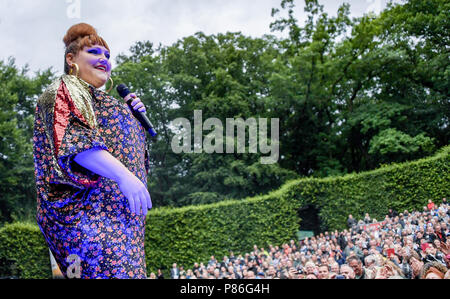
column 137, row 104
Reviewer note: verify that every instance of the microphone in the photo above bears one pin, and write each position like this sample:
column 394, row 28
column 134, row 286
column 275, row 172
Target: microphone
column 123, row 91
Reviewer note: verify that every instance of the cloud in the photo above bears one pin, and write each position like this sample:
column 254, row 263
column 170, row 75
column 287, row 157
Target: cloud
column 32, row 31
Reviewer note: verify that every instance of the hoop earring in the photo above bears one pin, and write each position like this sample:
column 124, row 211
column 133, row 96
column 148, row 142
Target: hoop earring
column 112, row 85
column 77, row 68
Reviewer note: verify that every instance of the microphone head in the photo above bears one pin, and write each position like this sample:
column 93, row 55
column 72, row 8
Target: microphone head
column 123, row 90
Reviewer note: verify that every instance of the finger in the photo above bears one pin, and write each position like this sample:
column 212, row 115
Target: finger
column 132, row 205
column 137, row 203
column 136, row 102
column 144, row 204
column 130, row 97
column 143, row 109
column 138, row 106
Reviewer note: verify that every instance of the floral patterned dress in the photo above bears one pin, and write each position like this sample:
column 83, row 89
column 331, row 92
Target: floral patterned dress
column 80, row 213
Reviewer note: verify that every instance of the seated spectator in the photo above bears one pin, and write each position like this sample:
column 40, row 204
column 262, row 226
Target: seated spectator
column 311, row 276
column 367, row 219
column 323, row 272
column 182, row 271
column 360, row 272
column 190, row 274
column 447, row 275
column 352, row 248
column 430, row 205
column 212, row 261
column 439, row 234
column 369, row 262
column 387, row 270
column 334, row 269
column 433, row 270
column 347, row 272
column 433, row 255
column 310, row 268
column 160, row 274
column 392, row 213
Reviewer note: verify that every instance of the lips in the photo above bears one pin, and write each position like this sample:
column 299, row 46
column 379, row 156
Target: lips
column 101, row 68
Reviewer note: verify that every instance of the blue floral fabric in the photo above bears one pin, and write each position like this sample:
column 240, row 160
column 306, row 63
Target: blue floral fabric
column 79, row 212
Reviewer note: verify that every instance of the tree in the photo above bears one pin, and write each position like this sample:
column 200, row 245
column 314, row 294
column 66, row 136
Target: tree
column 346, row 84
column 18, row 95
column 223, row 76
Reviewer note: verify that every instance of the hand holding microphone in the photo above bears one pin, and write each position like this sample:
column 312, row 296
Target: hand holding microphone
column 137, row 107
column 136, row 103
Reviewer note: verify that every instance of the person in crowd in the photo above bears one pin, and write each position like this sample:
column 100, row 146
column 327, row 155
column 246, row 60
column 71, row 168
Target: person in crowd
column 175, row 272
column 311, row 276
column 160, row 274
column 351, row 222
column 400, row 247
column 347, row 272
column 387, row 270
column 433, row 255
column 433, row 270
column 392, row 213
column 324, row 272
column 367, row 219
column 212, row 261
column 447, row 275
column 430, row 205
column 360, row 272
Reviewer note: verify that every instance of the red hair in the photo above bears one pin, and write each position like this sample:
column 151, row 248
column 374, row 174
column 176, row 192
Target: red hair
column 80, row 36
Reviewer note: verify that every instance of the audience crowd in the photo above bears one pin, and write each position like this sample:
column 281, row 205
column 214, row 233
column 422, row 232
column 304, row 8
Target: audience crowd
column 408, row 245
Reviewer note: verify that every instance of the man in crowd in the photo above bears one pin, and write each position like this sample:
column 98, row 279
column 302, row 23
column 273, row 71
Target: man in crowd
column 324, row 273
column 347, row 272
column 351, row 222
column 360, row 272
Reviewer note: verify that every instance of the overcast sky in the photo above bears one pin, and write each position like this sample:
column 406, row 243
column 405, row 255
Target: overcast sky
column 31, row 31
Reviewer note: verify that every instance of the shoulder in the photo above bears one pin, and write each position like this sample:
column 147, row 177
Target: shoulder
column 49, row 95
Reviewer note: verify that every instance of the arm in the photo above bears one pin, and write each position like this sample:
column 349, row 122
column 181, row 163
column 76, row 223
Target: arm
column 103, row 163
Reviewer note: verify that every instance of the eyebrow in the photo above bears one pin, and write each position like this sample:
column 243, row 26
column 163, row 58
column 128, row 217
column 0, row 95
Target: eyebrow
column 99, row 48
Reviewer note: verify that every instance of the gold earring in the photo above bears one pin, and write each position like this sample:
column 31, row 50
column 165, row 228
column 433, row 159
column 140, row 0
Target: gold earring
column 77, row 68
column 112, row 85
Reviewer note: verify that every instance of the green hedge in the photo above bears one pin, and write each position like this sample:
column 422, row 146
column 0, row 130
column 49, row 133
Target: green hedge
column 23, row 252
column 192, row 234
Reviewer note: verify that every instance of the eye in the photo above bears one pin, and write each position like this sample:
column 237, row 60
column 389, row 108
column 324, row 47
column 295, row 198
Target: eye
column 93, row 51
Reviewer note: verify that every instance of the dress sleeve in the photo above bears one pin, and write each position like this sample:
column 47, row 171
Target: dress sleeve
column 72, row 135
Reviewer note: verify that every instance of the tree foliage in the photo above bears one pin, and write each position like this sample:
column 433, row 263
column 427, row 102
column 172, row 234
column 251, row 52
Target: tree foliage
column 351, row 94
column 18, row 94
column 192, row 234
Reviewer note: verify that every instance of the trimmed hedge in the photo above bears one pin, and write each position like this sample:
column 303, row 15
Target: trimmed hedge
column 192, row 234
column 23, row 252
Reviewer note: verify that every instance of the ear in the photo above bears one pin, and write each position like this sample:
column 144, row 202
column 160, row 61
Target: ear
column 70, row 59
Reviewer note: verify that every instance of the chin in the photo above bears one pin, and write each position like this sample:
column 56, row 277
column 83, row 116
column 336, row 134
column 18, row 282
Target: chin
column 98, row 79
column 100, row 82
